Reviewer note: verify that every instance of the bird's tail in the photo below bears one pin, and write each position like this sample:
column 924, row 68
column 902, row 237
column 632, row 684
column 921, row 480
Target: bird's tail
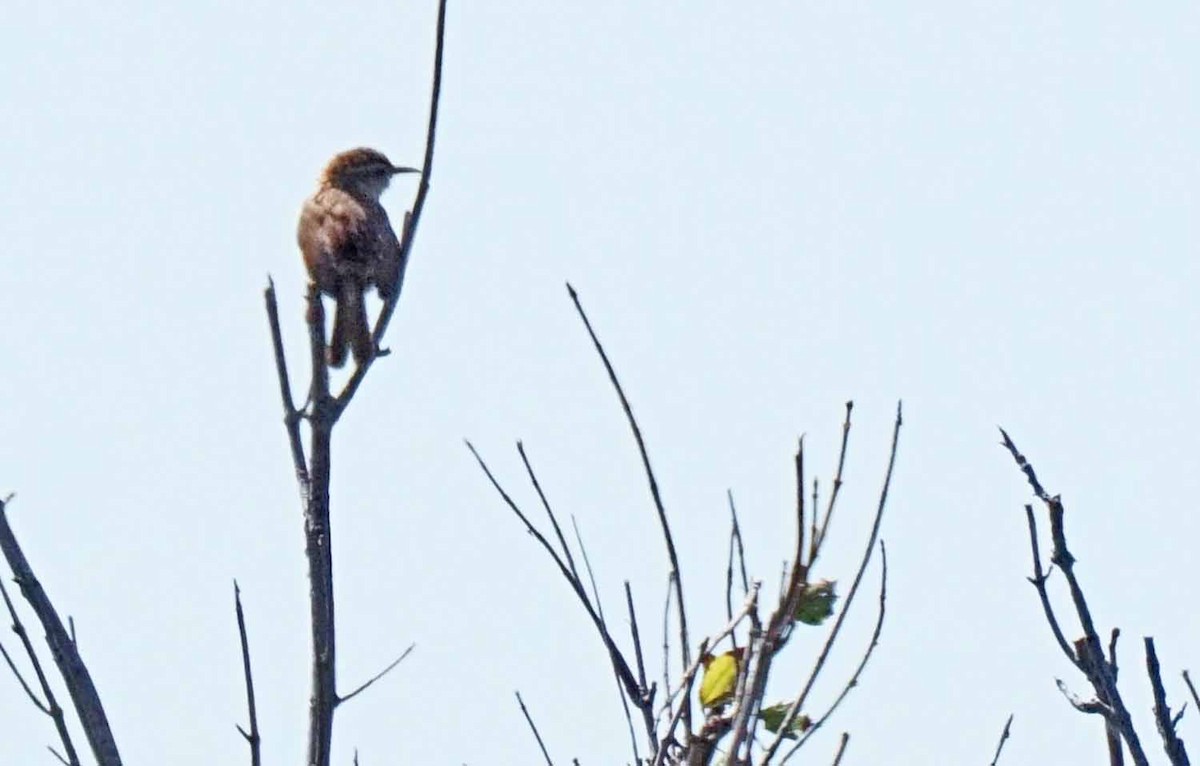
column 351, row 331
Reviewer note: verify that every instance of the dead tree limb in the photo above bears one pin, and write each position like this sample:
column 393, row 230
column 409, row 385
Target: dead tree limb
column 62, row 648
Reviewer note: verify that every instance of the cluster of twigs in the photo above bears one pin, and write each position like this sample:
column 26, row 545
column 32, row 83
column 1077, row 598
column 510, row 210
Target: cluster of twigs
column 1086, row 653
column 671, row 733
column 65, row 652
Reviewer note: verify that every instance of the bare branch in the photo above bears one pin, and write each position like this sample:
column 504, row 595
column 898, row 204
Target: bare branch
column 684, row 643
column 620, row 665
column 409, row 232
column 1089, row 655
column 818, row 537
column 741, row 551
column 533, row 727
column 637, row 641
column 1003, row 738
column 841, row 749
column 252, row 737
column 362, row 688
column 1024, row 465
column 50, row 707
column 1172, row 744
column 66, row 654
column 639, row 700
column 1039, row 582
column 735, row 547
column 819, row 664
column 291, row 416
column 566, row 549
column 1191, row 688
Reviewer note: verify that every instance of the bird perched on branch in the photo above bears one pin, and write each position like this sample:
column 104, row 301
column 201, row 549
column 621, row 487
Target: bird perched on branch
column 349, row 246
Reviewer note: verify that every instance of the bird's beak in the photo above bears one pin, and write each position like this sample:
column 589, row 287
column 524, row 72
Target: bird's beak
column 398, row 170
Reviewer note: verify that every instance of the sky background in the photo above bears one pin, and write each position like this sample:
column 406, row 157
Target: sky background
column 984, row 209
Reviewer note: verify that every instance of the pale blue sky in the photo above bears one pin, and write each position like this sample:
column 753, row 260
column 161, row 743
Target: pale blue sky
column 986, row 209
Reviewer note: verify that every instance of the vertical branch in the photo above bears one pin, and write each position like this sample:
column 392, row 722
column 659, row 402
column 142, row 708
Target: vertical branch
column 314, row 477
column 318, row 548
column 799, row 570
column 735, row 546
column 66, row 654
column 291, row 415
column 637, row 645
column 252, row 738
column 818, row 536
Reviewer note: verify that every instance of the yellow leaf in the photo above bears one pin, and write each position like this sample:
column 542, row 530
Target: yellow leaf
column 720, row 678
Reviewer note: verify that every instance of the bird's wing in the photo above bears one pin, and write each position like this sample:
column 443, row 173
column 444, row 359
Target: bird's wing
column 332, row 233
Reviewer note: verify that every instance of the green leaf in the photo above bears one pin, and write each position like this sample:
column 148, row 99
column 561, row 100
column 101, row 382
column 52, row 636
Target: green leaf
column 772, row 718
column 816, row 602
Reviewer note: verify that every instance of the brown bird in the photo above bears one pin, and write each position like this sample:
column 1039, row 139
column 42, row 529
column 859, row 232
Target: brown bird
column 349, row 246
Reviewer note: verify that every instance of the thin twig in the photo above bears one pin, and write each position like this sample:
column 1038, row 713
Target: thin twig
column 252, row 737
column 684, row 642
column 818, row 538
column 566, row 549
column 637, row 640
column 50, row 707
column 291, row 416
column 587, row 567
column 1003, row 738
column 1024, row 465
column 587, row 564
column 741, row 550
column 619, row 664
column 841, row 748
column 666, row 634
column 1191, row 688
column 362, row 688
column 1039, row 582
column 533, row 727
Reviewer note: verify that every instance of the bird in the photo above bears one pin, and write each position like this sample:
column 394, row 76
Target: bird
column 349, row 246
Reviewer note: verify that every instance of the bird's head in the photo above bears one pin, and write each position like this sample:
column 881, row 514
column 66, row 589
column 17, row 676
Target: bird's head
column 362, row 171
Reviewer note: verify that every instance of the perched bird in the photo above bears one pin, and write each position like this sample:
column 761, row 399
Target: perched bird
column 349, row 246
